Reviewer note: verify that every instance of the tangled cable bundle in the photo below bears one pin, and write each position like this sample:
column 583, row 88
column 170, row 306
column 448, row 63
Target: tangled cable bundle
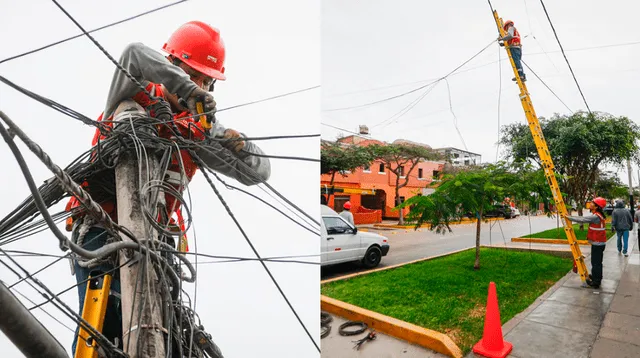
column 133, row 137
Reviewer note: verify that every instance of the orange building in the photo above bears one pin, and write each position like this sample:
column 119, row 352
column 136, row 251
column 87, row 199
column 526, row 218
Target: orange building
column 371, row 190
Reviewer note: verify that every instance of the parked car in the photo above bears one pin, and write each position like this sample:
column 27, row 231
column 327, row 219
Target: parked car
column 608, row 209
column 342, row 242
column 500, row 210
column 516, row 212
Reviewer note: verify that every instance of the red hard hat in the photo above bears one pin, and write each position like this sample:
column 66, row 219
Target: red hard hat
column 507, row 23
column 601, row 202
column 347, row 205
column 200, row 47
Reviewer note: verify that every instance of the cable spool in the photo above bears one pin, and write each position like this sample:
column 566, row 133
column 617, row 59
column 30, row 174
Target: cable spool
column 343, row 332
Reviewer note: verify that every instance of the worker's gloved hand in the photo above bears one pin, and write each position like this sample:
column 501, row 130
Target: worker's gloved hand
column 231, row 141
column 200, row 95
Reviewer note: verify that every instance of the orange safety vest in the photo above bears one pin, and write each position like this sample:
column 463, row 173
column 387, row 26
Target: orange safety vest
column 189, row 128
column 515, row 41
column 597, row 231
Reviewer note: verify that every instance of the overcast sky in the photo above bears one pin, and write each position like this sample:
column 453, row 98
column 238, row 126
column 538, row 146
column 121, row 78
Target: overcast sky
column 272, row 48
column 372, row 50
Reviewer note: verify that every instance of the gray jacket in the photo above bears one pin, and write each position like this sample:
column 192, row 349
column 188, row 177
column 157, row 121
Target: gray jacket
column 592, row 219
column 621, row 219
column 348, row 216
column 511, row 34
column 147, row 65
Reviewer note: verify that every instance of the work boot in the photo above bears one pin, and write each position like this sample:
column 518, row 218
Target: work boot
column 590, row 283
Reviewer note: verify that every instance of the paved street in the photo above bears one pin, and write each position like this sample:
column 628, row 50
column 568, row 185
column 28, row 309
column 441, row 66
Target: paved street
column 409, row 245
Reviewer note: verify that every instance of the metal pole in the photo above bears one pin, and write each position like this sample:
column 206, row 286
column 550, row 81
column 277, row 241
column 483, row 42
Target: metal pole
column 630, row 185
column 24, row 330
column 142, row 327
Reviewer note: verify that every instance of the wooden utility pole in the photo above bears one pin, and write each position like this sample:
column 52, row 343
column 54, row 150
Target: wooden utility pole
column 143, row 331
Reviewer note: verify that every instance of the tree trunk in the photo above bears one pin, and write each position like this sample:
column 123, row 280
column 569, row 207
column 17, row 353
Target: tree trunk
column 333, row 176
column 476, row 265
column 401, row 218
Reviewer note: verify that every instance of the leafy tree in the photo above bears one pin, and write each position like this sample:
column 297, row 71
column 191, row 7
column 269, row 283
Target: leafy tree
column 609, row 186
column 578, row 144
column 474, row 190
column 401, row 159
column 338, row 158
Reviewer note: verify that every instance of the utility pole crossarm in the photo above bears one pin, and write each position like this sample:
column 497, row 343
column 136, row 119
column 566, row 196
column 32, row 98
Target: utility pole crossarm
column 545, row 158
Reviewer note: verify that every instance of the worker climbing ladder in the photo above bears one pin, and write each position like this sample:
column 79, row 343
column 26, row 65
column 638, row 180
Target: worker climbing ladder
column 545, row 158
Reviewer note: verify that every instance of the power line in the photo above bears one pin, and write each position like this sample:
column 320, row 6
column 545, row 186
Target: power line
column 455, row 119
column 415, row 89
column 269, row 98
column 92, row 31
column 406, row 108
column 549, row 88
column 255, row 251
column 565, row 56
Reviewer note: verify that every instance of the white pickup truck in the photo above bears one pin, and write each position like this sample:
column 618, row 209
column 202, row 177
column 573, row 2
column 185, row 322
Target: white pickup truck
column 342, row 242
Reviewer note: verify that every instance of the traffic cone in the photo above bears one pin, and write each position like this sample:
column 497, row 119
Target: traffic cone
column 492, row 344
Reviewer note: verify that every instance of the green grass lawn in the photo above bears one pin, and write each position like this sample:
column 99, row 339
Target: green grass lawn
column 447, row 295
column 560, row 234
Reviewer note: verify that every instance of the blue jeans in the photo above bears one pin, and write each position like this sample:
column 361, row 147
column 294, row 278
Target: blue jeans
column 516, row 54
column 623, row 237
column 112, row 328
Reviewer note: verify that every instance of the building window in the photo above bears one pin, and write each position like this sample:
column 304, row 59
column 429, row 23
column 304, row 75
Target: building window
column 435, row 174
column 419, row 173
column 381, row 169
column 401, row 172
column 367, row 169
column 456, row 155
column 466, row 162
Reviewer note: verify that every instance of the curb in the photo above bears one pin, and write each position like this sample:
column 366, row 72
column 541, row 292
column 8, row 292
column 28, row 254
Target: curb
column 547, row 241
column 408, row 332
column 427, row 225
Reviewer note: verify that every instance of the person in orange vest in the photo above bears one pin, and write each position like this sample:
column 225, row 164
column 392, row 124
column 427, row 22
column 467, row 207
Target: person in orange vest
column 515, row 47
column 597, row 236
column 194, row 62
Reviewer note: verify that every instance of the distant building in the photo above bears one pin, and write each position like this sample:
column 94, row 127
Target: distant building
column 460, row 157
column 371, row 190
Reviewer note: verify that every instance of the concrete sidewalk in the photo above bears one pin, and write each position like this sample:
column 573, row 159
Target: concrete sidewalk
column 384, row 346
column 571, row 321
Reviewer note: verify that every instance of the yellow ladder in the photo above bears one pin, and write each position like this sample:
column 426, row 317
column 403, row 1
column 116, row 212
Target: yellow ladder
column 93, row 311
column 545, row 157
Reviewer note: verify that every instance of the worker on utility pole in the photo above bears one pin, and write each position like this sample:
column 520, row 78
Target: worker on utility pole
column 515, row 47
column 195, row 61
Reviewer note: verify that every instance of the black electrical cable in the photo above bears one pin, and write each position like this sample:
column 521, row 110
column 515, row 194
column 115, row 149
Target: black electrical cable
column 413, row 90
column 39, row 270
column 45, row 311
column 281, row 157
column 229, row 186
column 269, row 98
column 236, row 258
column 565, row 56
column 549, row 88
column 104, row 342
column 266, row 268
column 54, row 105
column 104, row 51
column 91, row 31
